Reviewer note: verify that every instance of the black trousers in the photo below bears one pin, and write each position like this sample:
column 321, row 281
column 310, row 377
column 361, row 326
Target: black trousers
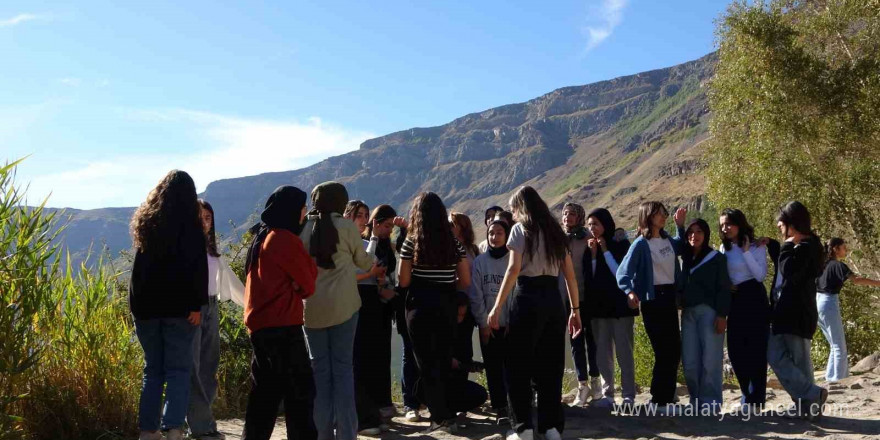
column 464, row 394
column 748, row 328
column 280, row 371
column 660, row 316
column 536, row 352
column 430, row 320
column 372, row 357
column 494, row 353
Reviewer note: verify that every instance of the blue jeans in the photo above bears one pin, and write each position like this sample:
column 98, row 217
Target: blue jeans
column 332, row 352
column 702, row 353
column 789, row 356
column 167, row 344
column 206, row 362
column 832, row 327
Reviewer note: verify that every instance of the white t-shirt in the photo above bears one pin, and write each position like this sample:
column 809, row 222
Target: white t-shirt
column 663, row 257
column 213, row 269
column 535, row 264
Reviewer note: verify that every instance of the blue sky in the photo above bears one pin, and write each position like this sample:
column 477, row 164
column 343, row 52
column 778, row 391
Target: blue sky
column 106, row 97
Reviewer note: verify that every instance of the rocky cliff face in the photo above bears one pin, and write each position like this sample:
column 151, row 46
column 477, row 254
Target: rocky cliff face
column 611, row 143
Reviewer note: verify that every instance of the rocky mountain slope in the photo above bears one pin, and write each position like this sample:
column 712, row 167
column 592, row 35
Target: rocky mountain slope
column 612, row 144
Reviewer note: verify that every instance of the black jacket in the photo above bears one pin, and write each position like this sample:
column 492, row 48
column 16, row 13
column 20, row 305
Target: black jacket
column 170, row 286
column 794, row 306
column 602, row 294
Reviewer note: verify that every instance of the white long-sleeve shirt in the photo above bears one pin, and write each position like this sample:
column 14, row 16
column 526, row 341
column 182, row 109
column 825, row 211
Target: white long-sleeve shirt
column 744, row 266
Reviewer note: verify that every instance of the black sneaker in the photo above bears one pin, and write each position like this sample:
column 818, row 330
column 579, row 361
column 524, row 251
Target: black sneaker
column 501, row 416
column 814, row 414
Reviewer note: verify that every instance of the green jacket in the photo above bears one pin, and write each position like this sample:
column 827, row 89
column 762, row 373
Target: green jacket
column 336, row 297
column 707, row 283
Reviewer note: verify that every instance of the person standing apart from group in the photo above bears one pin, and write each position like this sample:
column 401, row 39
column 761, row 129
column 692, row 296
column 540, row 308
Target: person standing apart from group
column 794, row 317
column 280, row 275
column 650, row 275
column 331, row 314
column 583, row 347
column 829, row 284
column 433, row 267
column 537, row 321
column 706, row 303
column 168, row 288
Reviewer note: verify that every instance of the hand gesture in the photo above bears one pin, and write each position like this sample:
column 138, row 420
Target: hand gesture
column 746, row 246
column 377, row 271
column 400, row 222
column 594, row 245
column 633, row 301
column 602, row 244
column 574, row 323
column 195, row 318
column 680, row 216
column 493, row 319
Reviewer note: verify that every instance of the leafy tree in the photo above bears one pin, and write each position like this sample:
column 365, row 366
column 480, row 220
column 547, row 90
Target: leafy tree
column 796, row 116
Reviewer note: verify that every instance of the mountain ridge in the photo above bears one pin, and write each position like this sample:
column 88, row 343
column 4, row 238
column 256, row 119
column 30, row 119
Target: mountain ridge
column 610, row 143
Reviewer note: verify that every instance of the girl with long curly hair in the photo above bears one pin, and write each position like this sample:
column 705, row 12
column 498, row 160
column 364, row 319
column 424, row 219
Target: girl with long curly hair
column 169, row 286
column 536, row 325
column 433, row 266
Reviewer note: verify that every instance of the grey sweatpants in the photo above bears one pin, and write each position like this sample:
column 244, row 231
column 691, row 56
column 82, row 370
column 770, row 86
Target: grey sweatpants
column 615, row 336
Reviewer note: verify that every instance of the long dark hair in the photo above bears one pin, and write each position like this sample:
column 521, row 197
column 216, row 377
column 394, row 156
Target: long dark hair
column 380, row 213
column 746, row 230
column 467, row 231
column 646, row 213
column 539, row 225
column 352, row 208
column 831, row 246
column 169, row 216
column 210, row 236
column 430, row 232
column 795, row 215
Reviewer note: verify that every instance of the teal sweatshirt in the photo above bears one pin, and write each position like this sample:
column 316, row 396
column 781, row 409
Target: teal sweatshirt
column 707, row 283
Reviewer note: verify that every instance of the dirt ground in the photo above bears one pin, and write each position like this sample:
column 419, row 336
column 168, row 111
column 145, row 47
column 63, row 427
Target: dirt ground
column 853, row 412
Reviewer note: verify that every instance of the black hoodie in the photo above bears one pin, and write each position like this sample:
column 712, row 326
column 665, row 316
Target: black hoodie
column 603, row 297
column 794, row 306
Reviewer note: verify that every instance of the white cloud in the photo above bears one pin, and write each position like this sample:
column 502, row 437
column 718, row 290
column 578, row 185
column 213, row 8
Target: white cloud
column 236, row 147
column 603, row 18
column 18, row 19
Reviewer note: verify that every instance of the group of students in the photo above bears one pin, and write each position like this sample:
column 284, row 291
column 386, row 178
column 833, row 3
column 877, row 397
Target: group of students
column 324, row 289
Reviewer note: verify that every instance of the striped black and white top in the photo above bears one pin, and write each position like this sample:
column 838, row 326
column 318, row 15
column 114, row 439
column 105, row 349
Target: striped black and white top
column 434, row 274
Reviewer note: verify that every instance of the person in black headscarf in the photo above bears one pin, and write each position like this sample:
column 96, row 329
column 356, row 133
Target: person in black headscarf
column 610, row 317
column 280, row 274
column 705, row 301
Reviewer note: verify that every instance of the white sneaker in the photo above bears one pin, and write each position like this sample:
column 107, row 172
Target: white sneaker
column 552, row 434
column 175, row 434
column 413, row 415
column 582, row 395
column 148, row 435
column 528, row 434
column 596, row 388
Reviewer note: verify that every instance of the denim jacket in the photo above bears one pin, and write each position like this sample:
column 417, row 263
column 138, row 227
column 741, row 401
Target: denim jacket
column 636, row 271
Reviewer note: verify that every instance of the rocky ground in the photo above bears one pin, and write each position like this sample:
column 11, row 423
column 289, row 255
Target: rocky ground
column 853, row 412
